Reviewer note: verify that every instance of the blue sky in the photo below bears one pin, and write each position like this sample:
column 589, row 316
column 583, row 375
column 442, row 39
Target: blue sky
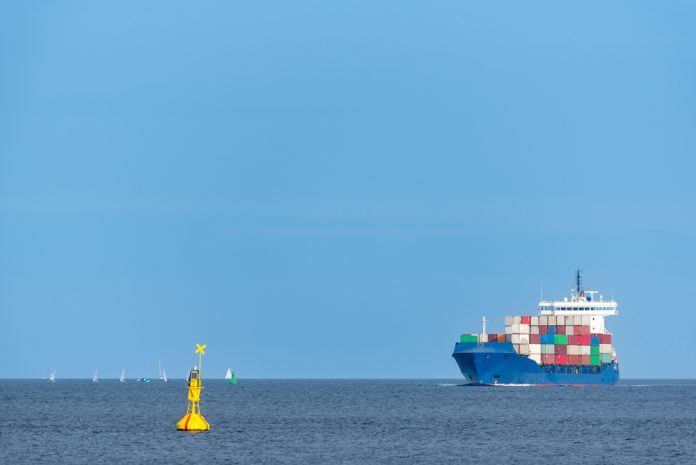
column 338, row 189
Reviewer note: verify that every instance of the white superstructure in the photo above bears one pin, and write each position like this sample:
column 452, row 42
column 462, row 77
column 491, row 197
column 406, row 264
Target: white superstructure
column 583, row 304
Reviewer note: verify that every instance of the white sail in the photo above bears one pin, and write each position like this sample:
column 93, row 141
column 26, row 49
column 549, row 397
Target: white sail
column 164, row 376
column 123, row 376
column 228, row 375
column 95, row 378
column 52, row 376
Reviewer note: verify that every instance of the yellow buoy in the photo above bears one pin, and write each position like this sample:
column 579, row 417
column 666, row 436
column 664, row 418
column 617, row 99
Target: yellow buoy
column 193, row 420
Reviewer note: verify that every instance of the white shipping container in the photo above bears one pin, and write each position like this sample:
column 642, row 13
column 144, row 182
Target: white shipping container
column 524, row 349
column 508, row 329
column 605, row 348
column 586, row 320
column 524, row 329
column 573, row 350
column 534, row 330
column 516, row 320
column 552, row 320
column 515, row 328
column 524, row 338
column 536, row 358
column 535, row 321
column 516, row 347
column 508, row 321
column 585, row 350
column 577, row 320
column 543, row 320
column 560, row 320
column 534, row 348
column 548, row 349
column 515, row 338
column 569, row 330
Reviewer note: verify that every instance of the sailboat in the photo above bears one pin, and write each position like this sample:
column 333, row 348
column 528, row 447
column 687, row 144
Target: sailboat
column 52, row 376
column 162, row 374
column 95, row 378
column 122, row 379
column 230, row 376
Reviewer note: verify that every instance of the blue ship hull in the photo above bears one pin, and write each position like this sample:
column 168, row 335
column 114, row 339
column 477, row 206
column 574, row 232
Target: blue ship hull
column 497, row 363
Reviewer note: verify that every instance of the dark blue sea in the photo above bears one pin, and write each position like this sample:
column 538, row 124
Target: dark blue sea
column 348, row 422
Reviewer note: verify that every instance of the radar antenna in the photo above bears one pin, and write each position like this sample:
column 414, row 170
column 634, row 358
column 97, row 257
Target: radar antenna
column 578, row 281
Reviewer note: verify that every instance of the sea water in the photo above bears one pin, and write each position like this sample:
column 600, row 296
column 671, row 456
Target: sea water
column 348, row 422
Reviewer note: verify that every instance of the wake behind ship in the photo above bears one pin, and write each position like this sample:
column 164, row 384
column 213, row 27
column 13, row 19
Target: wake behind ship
column 566, row 344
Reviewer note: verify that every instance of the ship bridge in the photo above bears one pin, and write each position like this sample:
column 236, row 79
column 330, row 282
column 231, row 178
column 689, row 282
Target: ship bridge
column 584, row 304
column 580, row 303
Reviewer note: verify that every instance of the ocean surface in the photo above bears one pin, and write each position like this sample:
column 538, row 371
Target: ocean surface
column 348, row 422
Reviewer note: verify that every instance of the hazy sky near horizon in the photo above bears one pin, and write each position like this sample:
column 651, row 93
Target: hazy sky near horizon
column 339, row 189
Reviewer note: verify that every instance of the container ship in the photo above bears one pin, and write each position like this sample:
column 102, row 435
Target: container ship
column 565, row 344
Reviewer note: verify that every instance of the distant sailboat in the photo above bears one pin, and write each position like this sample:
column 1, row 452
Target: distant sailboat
column 231, row 376
column 52, row 376
column 95, row 378
column 162, row 374
column 123, row 376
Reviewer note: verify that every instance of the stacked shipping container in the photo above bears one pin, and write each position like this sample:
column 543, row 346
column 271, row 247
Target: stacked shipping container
column 552, row 340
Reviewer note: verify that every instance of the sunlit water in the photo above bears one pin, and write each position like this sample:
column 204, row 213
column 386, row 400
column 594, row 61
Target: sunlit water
column 348, row 421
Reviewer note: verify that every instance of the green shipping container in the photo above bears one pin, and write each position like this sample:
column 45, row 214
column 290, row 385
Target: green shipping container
column 606, row 358
column 561, row 339
column 468, row 338
column 594, row 360
column 594, row 350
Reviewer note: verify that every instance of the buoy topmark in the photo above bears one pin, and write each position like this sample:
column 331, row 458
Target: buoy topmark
column 193, row 420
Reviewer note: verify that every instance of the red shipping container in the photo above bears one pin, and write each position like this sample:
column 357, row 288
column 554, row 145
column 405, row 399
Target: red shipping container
column 573, row 340
column 492, row 337
column 562, row 359
column 534, row 339
column 500, row 337
column 526, row 320
column 574, row 359
column 605, row 338
column 543, row 329
column 585, row 330
column 561, row 349
column 547, row 359
column 560, row 329
column 584, row 359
